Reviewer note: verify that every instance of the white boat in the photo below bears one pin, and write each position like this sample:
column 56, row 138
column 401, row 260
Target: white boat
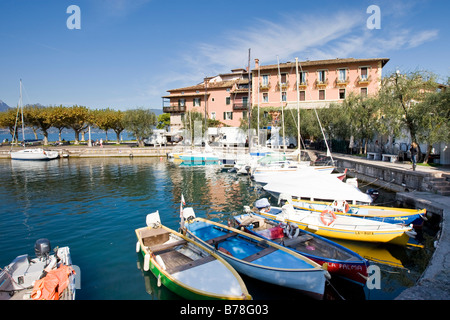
column 316, row 186
column 38, row 154
column 33, row 153
column 46, row 277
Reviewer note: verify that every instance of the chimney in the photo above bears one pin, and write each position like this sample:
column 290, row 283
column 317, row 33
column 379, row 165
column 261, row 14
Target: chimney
column 256, row 63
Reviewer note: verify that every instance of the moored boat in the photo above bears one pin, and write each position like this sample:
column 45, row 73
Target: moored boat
column 337, row 259
column 45, row 277
column 36, row 154
column 328, row 224
column 377, row 213
column 257, row 257
column 186, row 267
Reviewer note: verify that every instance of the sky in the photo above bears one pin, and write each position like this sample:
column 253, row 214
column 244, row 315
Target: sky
column 126, row 54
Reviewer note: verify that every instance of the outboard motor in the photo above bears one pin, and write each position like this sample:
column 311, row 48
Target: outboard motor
column 42, row 248
column 374, row 193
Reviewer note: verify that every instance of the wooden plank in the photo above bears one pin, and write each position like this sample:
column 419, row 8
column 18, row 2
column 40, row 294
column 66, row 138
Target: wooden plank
column 260, row 254
column 221, row 238
column 190, row 265
column 157, row 249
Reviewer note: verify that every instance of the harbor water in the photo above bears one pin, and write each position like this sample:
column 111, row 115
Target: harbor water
column 93, row 205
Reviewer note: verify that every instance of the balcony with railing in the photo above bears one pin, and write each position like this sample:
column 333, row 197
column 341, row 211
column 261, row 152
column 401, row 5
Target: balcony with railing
column 302, row 84
column 239, row 106
column 282, row 85
column 264, row 86
column 342, row 81
column 321, row 82
column 364, row 80
column 174, row 109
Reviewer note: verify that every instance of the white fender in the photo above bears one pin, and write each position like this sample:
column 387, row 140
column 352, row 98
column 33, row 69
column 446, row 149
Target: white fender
column 146, row 262
column 160, row 262
column 293, row 231
column 138, row 247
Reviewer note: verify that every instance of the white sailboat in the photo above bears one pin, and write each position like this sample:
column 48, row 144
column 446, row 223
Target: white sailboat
column 36, row 154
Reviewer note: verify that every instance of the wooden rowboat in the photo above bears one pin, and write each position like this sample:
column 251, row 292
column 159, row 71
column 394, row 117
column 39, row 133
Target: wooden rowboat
column 186, row 267
column 337, row 259
column 257, row 257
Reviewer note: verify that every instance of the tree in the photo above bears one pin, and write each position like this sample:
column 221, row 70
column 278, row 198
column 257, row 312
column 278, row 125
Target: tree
column 8, row 120
column 139, row 122
column 399, row 96
column 163, row 121
column 38, row 117
column 107, row 119
column 59, row 118
column 78, row 118
column 434, row 123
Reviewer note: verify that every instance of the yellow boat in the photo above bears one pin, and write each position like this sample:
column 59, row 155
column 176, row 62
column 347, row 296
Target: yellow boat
column 328, row 224
column 378, row 213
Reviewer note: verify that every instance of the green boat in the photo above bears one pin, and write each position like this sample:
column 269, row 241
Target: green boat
column 185, row 267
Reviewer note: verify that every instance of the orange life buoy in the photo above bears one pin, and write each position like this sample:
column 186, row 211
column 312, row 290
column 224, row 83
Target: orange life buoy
column 327, row 217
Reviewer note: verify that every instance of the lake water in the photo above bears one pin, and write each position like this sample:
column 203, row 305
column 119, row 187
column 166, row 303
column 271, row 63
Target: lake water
column 94, row 205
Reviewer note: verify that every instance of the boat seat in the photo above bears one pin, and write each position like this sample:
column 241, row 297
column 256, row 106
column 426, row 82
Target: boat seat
column 222, row 238
column 159, row 248
column 259, row 254
column 191, row 264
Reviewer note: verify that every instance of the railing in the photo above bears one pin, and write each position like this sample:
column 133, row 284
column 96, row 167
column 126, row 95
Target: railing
column 364, row 80
column 174, row 109
column 344, row 82
column 264, row 86
column 282, row 85
column 322, row 83
column 240, row 106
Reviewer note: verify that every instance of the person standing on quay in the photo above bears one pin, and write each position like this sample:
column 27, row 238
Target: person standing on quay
column 414, row 152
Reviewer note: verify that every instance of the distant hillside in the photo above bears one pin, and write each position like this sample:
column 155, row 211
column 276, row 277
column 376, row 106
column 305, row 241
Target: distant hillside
column 3, row 106
column 157, row 112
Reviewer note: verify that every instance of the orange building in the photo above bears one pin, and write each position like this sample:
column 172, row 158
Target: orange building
column 225, row 97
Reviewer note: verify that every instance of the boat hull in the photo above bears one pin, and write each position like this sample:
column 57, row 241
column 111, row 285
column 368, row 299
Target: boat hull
column 34, row 155
column 272, row 268
column 382, row 214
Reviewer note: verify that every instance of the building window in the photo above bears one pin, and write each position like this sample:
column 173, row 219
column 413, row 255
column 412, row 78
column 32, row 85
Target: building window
column 227, row 100
column 283, row 78
column 363, row 92
column 265, row 80
column 228, row 116
column 302, row 77
column 181, row 102
column 321, row 94
column 213, row 115
column 322, row 76
column 196, row 102
column 244, row 114
column 228, row 89
column 265, row 97
column 283, row 96
column 302, row 95
column 364, row 73
column 341, row 93
column 342, row 75
column 244, row 101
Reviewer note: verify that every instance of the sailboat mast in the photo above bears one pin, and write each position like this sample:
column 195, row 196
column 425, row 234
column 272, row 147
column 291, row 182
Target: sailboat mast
column 259, row 83
column 281, row 102
column 21, row 110
column 249, row 105
column 298, row 107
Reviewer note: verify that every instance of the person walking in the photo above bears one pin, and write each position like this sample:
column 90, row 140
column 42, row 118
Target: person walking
column 414, row 150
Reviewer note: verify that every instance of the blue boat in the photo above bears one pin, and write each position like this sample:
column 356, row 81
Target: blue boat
column 256, row 257
column 337, row 259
